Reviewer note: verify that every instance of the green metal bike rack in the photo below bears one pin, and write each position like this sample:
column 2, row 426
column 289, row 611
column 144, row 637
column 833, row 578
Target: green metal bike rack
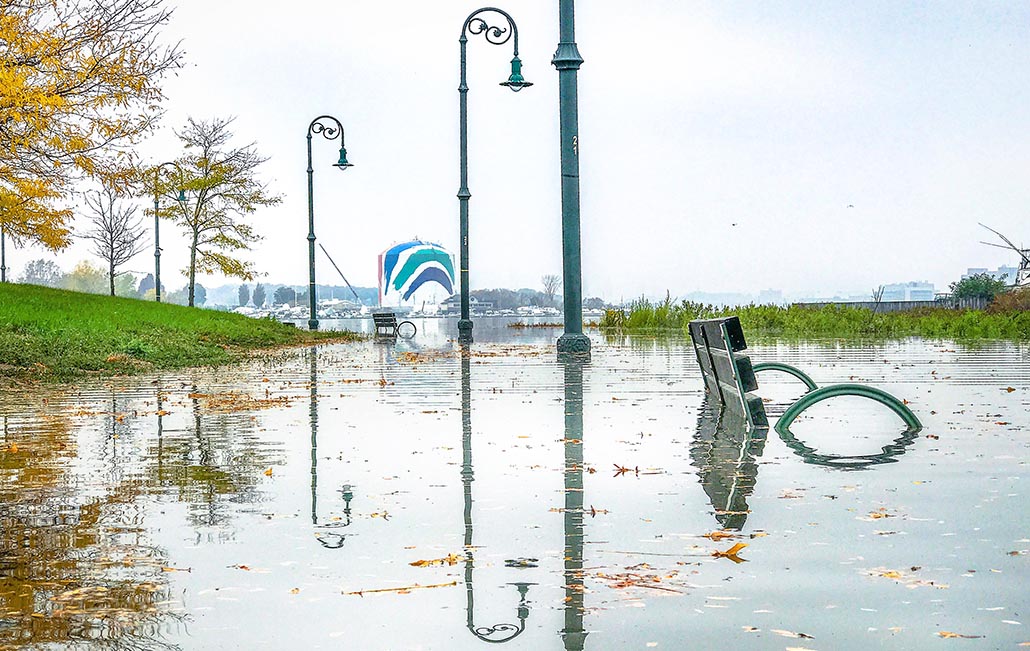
column 860, row 390
column 787, row 368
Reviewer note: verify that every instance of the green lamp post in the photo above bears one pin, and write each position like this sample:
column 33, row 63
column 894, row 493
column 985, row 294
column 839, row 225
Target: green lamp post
column 157, row 223
column 476, row 25
column 567, row 60
column 3, row 253
column 328, row 132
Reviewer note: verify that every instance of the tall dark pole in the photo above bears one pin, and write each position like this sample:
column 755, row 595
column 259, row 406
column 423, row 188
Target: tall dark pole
column 567, row 60
column 157, row 223
column 497, row 36
column 329, row 133
column 3, row 253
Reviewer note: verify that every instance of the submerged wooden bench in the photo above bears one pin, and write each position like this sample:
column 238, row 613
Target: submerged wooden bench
column 387, row 327
column 730, row 378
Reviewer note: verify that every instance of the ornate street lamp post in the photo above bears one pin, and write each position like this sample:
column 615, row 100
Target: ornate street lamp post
column 567, row 60
column 328, row 132
column 157, row 223
column 475, row 25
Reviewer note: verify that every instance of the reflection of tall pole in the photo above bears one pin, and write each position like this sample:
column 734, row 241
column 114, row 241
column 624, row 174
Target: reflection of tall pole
column 498, row 633
column 313, row 416
column 573, row 634
column 467, row 476
column 567, row 60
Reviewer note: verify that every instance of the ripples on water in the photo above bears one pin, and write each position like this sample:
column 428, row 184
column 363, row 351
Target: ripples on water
column 283, row 503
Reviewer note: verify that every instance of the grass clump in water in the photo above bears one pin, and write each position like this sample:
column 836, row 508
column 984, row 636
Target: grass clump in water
column 59, row 334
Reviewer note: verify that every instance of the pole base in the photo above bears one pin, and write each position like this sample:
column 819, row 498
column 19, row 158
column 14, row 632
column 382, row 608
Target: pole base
column 312, row 324
column 574, row 345
column 465, row 331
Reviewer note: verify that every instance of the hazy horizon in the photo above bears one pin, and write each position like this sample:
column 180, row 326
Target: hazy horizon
column 817, row 148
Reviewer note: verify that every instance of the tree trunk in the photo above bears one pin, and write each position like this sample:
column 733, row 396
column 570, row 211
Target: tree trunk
column 193, row 267
column 111, row 274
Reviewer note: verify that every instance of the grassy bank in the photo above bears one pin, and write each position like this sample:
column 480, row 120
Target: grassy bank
column 829, row 322
column 60, row 335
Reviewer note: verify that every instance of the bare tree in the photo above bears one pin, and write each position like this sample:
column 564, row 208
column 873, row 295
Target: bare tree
column 551, row 283
column 117, row 232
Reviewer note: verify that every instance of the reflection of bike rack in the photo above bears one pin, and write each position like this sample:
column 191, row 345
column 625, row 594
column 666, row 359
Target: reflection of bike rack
column 888, row 454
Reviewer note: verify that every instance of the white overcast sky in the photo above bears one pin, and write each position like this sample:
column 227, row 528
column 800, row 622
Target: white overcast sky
column 721, row 143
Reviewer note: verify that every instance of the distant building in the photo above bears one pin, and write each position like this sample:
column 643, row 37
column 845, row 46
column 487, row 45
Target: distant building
column 771, row 297
column 452, row 305
column 910, row 291
column 1004, row 272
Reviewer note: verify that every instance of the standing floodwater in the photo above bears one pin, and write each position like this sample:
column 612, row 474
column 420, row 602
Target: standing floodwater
column 410, row 496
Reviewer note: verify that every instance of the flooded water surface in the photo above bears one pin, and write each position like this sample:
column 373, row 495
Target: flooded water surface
column 408, row 495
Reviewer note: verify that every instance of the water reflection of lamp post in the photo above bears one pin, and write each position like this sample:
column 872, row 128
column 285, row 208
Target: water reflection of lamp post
column 157, row 223
column 573, row 634
column 327, row 539
column 567, row 60
column 506, row 632
column 329, row 133
column 476, row 25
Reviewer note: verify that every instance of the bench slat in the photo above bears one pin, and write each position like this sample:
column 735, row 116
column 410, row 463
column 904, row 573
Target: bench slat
column 713, row 331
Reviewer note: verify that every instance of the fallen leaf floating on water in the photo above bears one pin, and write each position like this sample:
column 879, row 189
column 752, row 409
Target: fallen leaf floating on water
column 731, row 553
column 245, row 568
column 1010, row 389
column 780, row 631
column 621, row 470
column 949, row 634
column 295, row 591
column 404, row 590
column 450, row 559
column 13, row 448
column 268, row 473
column 176, row 569
column 716, row 536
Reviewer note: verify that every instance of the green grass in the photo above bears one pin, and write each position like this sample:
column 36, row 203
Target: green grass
column 60, row 335
column 645, row 316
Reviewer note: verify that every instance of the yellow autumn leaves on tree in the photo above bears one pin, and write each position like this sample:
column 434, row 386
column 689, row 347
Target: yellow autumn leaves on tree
column 79, row 86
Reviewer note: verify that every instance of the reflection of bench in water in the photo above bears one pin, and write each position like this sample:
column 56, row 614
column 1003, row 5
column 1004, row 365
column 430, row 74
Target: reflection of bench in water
column 724, row 452
column 387, row 327
column 730, row 378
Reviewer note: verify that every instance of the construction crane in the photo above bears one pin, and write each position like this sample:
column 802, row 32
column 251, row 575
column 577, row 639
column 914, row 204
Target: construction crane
column 1023, row 273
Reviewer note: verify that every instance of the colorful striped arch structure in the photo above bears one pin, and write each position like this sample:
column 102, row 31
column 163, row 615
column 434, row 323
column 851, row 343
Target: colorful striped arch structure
column 404, row 268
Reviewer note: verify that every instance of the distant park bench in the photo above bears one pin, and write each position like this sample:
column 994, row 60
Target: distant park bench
column 730, row 378
column 387, row 327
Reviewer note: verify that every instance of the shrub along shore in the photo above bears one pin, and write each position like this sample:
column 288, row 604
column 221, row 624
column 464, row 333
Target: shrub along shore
column 61, row 335
column 798, row 322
